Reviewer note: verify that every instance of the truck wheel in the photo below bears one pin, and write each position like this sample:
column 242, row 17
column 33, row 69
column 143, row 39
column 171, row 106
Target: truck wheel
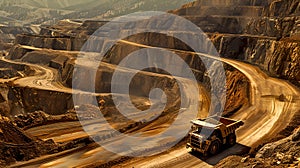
column 205, row 154
column 214, row 147
column 231, row 140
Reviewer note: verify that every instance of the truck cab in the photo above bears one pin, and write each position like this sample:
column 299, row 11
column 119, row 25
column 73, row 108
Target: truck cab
column 208, row 136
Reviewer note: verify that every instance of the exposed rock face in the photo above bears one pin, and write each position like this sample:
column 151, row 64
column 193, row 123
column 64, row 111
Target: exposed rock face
column 4, row 106
column 273, row 27
column 229, row 16
column 78, row 29
column 31, row 100
column 16, row 145
column 62, row 28
column 7, row 73
column 237, row 91
column 279, row 19
column 268, row 18
column 51, row 42
column 272, row 32
column 278, row 58
column 11, row 71
column 283, row 153
column 39, row 118
column 4, row 46
column 17, row 52
column 287, row 146
column 11, row 134
column 8, row 33
column 283, row 8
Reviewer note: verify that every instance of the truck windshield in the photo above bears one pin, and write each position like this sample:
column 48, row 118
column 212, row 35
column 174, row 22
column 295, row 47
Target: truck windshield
column 204, row 131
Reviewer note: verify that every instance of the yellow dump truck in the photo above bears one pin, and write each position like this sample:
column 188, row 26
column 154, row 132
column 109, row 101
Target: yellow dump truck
column 208, row 136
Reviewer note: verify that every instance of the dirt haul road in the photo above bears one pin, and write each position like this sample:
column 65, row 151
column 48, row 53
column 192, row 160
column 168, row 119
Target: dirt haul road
column 266, row 116
column 46, row 78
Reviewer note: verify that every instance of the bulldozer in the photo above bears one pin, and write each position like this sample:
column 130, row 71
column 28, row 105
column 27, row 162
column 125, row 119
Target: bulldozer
column 209, row 136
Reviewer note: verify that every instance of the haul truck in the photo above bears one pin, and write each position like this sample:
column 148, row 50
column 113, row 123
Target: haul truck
column 208, row 136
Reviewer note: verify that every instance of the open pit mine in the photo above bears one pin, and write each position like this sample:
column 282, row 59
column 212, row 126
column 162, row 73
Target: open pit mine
column 46, row 120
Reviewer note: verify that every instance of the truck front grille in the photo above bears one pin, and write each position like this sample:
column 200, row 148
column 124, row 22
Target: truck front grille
column 196, row 141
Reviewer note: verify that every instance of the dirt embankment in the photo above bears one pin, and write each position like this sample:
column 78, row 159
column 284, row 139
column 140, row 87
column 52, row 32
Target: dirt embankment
column 19, row 145
column 40, row 118
column 282, row 153
column 16, row 145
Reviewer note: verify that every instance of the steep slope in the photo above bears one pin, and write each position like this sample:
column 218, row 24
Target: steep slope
column 16, row 145
column 264, row 33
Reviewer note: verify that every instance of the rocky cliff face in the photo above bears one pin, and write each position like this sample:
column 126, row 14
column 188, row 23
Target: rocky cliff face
column 267, row 18
column 282, row 8
column 27, row 100
column 278, row 58
column 270, row 32
column 57, row 43
column 9, row 33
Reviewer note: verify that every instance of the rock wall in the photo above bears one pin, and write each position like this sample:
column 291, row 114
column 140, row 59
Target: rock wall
column 278, row 18
column 51, row 42
column 273, row 27
column 26, row 100
column 278, row 58
column 264, row 33
column 283, row 8
column 9, row 33
column 238, row 91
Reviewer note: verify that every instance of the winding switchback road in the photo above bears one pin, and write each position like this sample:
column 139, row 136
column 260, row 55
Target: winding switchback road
column 266, row 116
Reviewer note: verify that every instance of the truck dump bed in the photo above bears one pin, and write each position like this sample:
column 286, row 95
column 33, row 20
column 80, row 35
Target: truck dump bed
column 217, row 122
